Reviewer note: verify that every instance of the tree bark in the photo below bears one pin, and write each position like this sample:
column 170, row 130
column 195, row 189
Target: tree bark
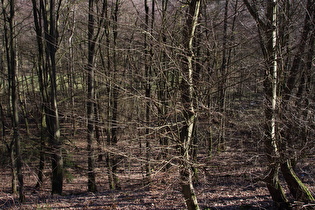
column 91, row 98
column 187, row 87
column 45, row 20
column 271, row 112
column 299, row 191
column 112, row 159
column 268, row 41
column 10, row 46
column 223, row 80
column 43, row 140
column 51, row 38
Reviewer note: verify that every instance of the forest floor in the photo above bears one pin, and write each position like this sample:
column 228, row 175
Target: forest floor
column 227, row 180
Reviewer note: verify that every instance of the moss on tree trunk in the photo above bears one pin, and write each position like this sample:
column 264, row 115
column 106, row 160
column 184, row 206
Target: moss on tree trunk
column 299, row 191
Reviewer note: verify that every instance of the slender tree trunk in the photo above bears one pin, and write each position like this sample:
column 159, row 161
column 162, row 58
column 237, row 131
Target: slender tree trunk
column 91, row 98
column 10, row 45
column 271, row 109
column 14, row 185
column 112, row 159
column 147, row 67
column 71, row 68
column 53, row 117
column 187, row 88
column 268, row 32
column 42, row 80
column 163, row 90
column 43, row 140
column 45, row 19
column 93, row 38
column 223, row 80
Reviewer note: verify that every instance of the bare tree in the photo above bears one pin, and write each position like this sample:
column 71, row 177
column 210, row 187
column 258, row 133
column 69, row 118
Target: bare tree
column 8, row 12
column 112, row 139
column 94, row 34
column 187, row 88
column 46, row 17
column 271, row 46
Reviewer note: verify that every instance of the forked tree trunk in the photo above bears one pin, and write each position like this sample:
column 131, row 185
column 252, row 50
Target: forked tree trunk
column 94, row 33
column 299, row 191
column 297, row 188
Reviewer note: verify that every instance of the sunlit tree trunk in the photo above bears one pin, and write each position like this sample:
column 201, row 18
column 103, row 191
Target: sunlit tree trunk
column 187, row 88
column 271, row 80
column 278, row 98
column 268, row 39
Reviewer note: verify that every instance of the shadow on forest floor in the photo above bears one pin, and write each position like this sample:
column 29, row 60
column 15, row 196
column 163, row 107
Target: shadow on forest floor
column 229, row 180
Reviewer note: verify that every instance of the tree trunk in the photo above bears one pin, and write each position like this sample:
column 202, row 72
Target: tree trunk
column 271, row 89
column 43, row 140
column 91, row 98
column 163, row 87
column 274, row 187
column 45, row 20
column 112, row 159
column 269, row 45
column 71, row 67
column 147, row 68
column 223, row 80
column 10, row 46
column 187, row 87
column 299, row 191
column 14, row 185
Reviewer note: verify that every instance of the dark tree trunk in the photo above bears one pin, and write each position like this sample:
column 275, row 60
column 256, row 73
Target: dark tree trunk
column 91, row 98
column 112, row 159
column 10, row 46
column 51, row 38
column 45, row 20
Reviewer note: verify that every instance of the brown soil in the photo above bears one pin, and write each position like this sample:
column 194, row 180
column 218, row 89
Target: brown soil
column 228, row 180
